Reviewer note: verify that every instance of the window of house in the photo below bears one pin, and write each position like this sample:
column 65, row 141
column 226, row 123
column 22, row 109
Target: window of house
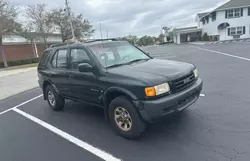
column 203, row 22
column 239, row 30
column 248, row 11
column 237, row 13
column 78, row 56
column 207, row 19
column 213, row 16
column 60, row 59
column 230, row 13
column 233, row 31
column 233, row 13
column 236, row 30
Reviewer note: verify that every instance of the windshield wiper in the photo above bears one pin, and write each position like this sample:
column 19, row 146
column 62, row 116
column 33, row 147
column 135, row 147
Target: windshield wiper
column 136, row 60
column 116, row 65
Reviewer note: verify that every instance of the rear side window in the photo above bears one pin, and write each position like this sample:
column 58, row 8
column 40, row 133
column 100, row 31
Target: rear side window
column 44, row 60
column 60, row 59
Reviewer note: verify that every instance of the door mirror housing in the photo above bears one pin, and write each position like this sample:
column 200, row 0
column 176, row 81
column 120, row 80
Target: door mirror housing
column 85, row 67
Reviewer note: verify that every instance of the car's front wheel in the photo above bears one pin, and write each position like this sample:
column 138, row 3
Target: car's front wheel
column 125, row 119
column 55, row 101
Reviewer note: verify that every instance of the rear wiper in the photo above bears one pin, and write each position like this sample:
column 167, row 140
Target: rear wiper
column 136, row 60
column 116, row 65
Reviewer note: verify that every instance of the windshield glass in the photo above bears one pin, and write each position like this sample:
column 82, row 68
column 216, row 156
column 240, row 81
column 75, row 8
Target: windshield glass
column 117, row 53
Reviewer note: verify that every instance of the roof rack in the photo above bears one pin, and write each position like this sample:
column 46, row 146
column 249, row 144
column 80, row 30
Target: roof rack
column 95, row 40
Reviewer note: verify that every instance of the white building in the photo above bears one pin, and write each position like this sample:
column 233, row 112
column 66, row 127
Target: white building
column 227, row 22
column 38, row 38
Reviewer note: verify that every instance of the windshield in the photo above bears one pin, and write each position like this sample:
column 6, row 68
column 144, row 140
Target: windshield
column 117, row 53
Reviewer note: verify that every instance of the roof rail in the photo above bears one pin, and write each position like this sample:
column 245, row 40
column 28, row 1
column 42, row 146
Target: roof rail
column 61, row 44
column 95, row 40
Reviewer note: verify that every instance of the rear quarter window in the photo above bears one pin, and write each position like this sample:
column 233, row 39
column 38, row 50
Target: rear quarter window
column 44, row 59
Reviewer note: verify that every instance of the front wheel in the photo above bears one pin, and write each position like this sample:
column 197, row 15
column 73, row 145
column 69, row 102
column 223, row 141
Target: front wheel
column 55, row 101
column 125, row 119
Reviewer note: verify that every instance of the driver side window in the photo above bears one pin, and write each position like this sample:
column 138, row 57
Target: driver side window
column 78, row 56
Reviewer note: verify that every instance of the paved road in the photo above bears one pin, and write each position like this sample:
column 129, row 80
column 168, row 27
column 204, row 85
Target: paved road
column 15, row 81
column 216, row 128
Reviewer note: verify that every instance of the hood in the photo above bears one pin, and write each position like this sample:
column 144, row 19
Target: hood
column 156, row 71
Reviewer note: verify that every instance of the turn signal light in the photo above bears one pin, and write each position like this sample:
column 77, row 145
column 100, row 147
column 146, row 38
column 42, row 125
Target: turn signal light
column 150, row 92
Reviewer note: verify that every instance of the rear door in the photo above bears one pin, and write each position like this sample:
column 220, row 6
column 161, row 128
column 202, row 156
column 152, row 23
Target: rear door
column 59, row 75
column 84, row 86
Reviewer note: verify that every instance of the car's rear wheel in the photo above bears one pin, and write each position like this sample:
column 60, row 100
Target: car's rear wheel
column 125, row 119
column 55, row 101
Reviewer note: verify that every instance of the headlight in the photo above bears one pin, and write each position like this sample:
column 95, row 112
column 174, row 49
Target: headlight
column 196, row 74
column 157, row 90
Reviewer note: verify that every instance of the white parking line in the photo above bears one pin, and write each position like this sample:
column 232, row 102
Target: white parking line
column 225, row 54
column 102, row 154
column 21, row 104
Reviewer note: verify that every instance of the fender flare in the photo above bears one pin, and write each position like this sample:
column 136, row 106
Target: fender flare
column 53, row 85
column 115, row 89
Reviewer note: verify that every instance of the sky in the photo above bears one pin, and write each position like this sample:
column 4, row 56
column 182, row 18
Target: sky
column 135, row 17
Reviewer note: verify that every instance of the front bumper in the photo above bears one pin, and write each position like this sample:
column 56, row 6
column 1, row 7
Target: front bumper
column 154, row 109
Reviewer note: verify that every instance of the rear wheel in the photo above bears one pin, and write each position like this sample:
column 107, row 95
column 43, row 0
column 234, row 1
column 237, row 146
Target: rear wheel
column 55, row 101
column 125, row 119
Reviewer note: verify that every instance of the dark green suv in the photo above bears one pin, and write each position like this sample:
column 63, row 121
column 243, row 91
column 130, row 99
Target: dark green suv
column 132, row 87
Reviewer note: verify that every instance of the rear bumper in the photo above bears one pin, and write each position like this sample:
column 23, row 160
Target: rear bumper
column 154, row 109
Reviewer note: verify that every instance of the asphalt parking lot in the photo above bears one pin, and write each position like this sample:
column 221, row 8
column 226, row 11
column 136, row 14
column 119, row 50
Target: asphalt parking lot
column 216, row 128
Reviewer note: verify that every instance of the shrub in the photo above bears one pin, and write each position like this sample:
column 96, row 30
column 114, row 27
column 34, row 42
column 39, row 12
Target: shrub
column 205, row 37
column 20, row 62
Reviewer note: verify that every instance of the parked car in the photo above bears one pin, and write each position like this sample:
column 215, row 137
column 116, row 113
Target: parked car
column 133, row 88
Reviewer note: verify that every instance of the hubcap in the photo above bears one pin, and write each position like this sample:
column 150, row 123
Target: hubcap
column 51, row 98
column 123, row 119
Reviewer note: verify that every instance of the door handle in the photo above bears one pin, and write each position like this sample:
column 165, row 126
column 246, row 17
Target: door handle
column 71, row 76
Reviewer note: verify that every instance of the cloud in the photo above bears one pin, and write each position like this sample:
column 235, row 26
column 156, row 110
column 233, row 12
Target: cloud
column 138, row 17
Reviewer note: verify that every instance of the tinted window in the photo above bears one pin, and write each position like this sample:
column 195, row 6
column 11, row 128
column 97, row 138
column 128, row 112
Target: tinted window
column 78, row 56
column 44, row 59
column 60, row 59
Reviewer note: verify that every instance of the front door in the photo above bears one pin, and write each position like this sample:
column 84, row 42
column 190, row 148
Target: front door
column 84, row 85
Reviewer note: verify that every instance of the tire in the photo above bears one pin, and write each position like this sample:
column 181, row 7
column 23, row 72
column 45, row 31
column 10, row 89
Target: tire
column 136, row 127
column 59, row 101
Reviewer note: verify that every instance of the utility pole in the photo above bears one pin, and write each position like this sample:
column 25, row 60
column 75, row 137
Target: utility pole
column 101, row 29
column 107, row 33
column 70, row 20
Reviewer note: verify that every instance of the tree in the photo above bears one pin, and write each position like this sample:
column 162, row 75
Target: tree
column 39, row 20
column 8, row 14
column 205, row 37
column 82, row 27
column 132, row 39
column 145, row 40
column 166, row 32
column 161, row 38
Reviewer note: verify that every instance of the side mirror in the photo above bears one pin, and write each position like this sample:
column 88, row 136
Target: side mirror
column 85, row 67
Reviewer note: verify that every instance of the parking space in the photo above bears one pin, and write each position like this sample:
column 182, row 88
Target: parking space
column 23, row 140
column 215, row 128
column 240, row 49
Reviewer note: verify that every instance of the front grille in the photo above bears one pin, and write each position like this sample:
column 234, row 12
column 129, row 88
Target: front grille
column 182, row 83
